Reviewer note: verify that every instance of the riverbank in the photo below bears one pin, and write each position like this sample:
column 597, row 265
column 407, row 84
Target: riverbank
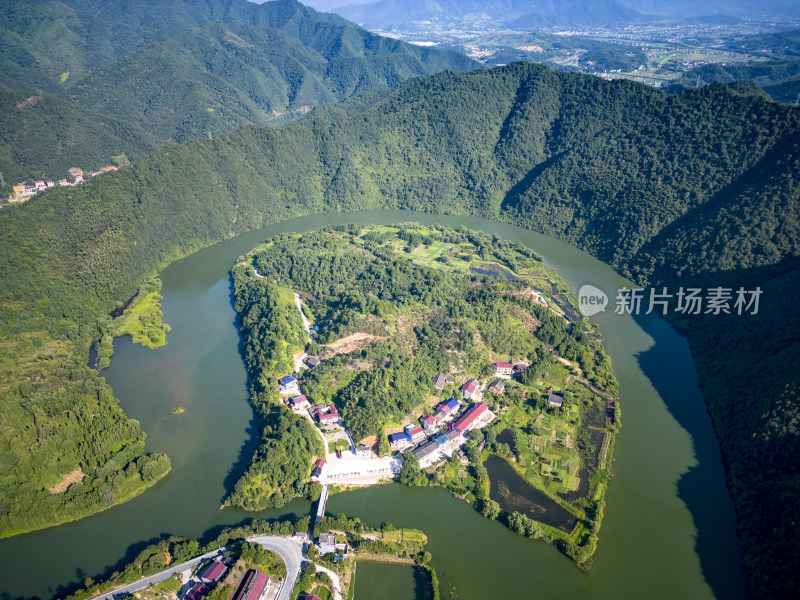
column 142, row 319
column 201, row 369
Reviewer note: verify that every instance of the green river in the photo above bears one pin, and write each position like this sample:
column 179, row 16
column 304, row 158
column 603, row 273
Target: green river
column 669, row 528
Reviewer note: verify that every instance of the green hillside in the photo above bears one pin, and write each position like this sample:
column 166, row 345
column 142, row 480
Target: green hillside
column 779, row 79
column 166, row 65
column 42, row 137
column 702, row 183
column 216, row 77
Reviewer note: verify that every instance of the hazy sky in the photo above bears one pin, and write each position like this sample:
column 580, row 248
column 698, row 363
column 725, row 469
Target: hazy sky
column 325, row 5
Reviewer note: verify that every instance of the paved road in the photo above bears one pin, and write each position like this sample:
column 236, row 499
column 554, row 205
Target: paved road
column 289, row 551
column 337, row 584
column 292, row 555
column 158, row 577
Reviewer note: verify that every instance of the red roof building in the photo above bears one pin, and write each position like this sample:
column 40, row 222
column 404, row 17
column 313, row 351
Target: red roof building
column 427, row 421
column 331, row 415
column 468, row 418
column 213, row 572
column 298, row 402
column 415, row 433
column 503, row 368
column 197, row 592
column 259, row 584
column 252, row 587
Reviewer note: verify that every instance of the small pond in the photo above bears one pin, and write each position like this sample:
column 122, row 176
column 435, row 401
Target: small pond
column 376, row 581
column 513, row 493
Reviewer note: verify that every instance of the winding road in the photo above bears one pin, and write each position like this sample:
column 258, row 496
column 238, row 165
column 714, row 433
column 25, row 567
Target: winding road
column 289, row 551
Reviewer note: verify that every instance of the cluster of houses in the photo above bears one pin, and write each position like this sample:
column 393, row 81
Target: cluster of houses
column 454, row 434
column 208, row 577
column 434, row 432
column 22, row 191
column 325, row 415
column 252, row 585
column 429, row 435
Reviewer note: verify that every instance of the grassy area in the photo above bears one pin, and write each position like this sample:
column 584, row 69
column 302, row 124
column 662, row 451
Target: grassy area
column 405, row 535
column 143, row 319
column 165, row 590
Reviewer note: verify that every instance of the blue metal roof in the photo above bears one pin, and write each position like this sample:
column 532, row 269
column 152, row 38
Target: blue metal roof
column 394, row 437
column 287, row 380
column 452, row 403
column 440, row 439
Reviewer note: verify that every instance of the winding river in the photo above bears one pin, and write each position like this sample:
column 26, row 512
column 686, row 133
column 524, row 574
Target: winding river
column 669, row 528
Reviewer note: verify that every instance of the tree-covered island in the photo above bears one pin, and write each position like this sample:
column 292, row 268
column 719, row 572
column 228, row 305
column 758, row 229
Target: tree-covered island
column 397, row 321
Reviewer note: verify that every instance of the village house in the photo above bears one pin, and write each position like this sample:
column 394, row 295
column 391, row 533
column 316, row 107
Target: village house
column 425, row 450
column 415, row 432
column 398, row 440
column 213, row 572
column 442, row 380
column 469, row 388
column 497, row 386
column 427, row 421
column 467, row 420
column 299, row 402
column 449, row 407
column 300, row 537
column 253, row 586
column 326, row 415
column 312, row 361
column 198, row 591
column 503, row 369
column 326, row 543
column 536, row 297
column 316, row 472
column 554, row 399
column 363, row 450
column 288, row 385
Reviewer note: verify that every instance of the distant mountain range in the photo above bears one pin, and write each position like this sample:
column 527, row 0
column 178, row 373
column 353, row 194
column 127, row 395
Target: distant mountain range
column 513, row 13
column 178, row 70
column 682, row 8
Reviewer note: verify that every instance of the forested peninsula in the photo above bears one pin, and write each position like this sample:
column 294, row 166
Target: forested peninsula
column 405, row 319
column 700, row 186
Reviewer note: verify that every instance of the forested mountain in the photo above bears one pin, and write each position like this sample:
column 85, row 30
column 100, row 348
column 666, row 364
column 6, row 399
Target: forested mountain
column 181, row 69
column 696, row 187
column 513, row 13
column 216, row 77
column 682, row 8
column 41, row 137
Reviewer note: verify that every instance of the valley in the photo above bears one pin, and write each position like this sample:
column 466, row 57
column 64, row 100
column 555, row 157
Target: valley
column 217, row 125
